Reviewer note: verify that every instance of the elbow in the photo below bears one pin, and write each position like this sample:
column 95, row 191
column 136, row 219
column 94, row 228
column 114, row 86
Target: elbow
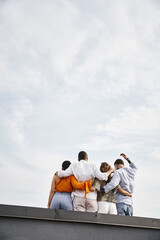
column 52, row 191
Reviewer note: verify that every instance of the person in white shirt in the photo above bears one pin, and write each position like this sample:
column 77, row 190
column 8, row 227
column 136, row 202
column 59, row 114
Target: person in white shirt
column 83, row 171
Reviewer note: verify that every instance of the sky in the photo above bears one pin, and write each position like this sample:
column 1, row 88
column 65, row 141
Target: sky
column 78, row 75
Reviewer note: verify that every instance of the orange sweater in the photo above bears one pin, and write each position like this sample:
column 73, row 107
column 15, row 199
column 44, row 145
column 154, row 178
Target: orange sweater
column 67, row 184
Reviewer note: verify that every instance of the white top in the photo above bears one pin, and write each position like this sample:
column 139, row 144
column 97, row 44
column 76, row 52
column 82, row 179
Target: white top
column 83, row 171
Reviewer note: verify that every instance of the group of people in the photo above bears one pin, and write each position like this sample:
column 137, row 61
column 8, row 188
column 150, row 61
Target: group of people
column 82, row 186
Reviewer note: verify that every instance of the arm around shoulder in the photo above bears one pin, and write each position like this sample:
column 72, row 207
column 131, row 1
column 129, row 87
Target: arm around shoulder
column 65, row 173
column 102, row 175
column 113, row 183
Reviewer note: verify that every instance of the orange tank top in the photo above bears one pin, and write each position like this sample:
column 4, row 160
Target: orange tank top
column 69, row 183
column 64, row 185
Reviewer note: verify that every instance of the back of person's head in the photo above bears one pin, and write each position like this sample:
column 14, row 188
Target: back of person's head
column 119, row 161
column 66, row 164
column 82, row 156
column 105, row 167
column 118, row 164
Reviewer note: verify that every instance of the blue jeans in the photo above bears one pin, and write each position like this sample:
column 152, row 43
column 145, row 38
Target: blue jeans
column 61, row 200
column 124, row 209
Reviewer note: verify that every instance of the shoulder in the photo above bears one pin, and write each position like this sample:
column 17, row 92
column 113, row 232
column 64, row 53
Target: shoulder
column 74, row 165
column 96, row 183
column 118, row 173
column 93, row 165
column 55, row 179
column 86, row 163
column 96, row 180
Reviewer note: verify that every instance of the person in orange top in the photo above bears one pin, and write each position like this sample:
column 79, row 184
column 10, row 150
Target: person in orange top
column 61, row 189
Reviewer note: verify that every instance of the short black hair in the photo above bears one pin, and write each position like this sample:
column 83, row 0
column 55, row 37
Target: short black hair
column 66, row 164
column 119, row 161
column 82, row 155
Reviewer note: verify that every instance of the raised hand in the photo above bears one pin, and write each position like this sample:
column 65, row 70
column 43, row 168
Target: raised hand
column 124, row 155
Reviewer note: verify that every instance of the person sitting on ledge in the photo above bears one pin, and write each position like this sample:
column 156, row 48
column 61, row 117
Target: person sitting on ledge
column 61, row 189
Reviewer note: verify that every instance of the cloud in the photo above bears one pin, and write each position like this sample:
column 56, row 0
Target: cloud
column 97, row 55
column 34, row 47
column 28, row 176
column 126, row 130
column 15, row 123
column 143, row 120
column 76, row 75
column 147, row 183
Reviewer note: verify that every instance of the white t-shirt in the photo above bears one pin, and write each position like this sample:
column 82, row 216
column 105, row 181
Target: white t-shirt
column 83, row 171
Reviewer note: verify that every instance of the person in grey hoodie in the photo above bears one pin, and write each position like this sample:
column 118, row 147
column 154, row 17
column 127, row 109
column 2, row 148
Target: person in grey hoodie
column 123, row 176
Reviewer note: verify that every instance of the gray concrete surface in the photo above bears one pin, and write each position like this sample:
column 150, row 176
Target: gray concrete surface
column 27, row 223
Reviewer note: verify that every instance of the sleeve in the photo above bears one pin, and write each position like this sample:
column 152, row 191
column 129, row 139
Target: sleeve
column 65, row 173
column 79, row 185
column 98, row 174
column 133, row 166
column 113, row 183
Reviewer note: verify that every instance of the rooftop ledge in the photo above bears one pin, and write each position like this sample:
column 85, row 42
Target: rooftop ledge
column 15, row 220
column 73, row 216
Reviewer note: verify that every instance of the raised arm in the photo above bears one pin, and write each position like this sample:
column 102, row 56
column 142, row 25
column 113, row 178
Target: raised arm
column 125, row 157
column 131, row 164
column 52, row 191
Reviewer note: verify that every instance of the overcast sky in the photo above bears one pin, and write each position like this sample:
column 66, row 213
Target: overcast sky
column 78, row 75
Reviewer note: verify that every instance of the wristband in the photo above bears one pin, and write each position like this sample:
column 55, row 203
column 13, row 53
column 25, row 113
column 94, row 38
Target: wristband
column 129, row 161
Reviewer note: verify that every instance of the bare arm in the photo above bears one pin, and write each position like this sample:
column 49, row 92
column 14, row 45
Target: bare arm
column 92, row 189
column 125, row 193
column 52, row 190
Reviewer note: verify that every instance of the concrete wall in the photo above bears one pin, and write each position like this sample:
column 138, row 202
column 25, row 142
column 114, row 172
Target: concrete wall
column 26, row 223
